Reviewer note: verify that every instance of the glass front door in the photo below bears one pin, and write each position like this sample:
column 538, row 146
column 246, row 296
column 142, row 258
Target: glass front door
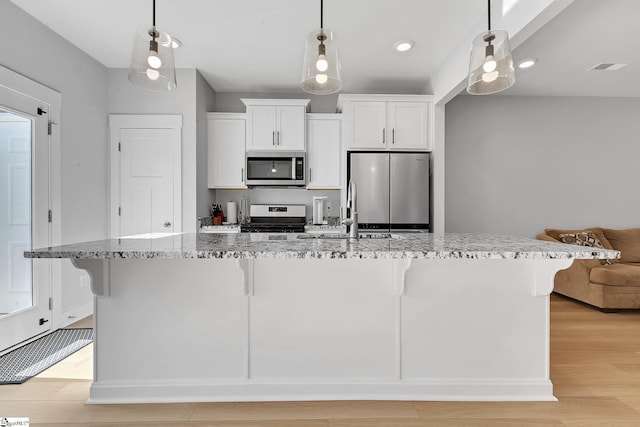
column 25, row 284
column 16, row 290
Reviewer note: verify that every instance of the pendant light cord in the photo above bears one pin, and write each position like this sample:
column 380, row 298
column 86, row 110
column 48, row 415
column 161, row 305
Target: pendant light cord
column 321, row 14
column 154, row 13
column 489, row 16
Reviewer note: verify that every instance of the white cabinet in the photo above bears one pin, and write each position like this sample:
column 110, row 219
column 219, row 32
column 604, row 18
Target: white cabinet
column 226, row 150
column 323, row 151
column 408, row 122
column 366, row 123
column 276, row 124
column 386, row 122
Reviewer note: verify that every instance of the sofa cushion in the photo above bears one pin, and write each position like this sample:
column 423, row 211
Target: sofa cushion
column 555, row 233
column 584, row 238
column 616, row 275
column 626, row 241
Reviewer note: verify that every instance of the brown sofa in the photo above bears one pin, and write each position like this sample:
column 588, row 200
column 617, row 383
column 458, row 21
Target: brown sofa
column 606, row 284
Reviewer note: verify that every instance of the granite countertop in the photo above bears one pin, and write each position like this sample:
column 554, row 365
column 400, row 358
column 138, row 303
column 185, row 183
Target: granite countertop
column 289, row 245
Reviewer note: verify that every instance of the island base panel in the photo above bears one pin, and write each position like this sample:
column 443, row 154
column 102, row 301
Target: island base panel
column 179, row 330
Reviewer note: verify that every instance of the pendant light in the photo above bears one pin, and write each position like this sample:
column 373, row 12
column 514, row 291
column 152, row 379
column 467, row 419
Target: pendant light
column 321, row 73
column 152, row 63
column 491, row 66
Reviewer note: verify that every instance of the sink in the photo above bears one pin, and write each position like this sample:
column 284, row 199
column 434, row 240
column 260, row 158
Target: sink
column 346, row 236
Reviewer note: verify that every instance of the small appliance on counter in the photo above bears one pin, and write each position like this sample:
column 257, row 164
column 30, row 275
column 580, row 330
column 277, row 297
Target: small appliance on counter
column 319, row 210
column 276, row 219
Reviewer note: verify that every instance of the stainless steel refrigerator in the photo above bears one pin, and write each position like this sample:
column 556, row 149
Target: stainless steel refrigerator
column 393, row 189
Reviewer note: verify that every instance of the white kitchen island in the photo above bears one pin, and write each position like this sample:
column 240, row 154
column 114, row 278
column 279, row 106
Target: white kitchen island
column 261, row 317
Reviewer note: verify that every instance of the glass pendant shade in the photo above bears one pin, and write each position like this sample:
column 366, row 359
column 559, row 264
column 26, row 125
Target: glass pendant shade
column 321, row 73
column 152, row 64
column 491, row 66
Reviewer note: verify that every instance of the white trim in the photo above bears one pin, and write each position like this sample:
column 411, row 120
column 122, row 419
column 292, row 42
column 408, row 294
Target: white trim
column 342, row 98
column 324, row 116
column 228, row 116
column 51, row 100
column 237, row 390
column 142, row 121
column 145, row 121
column 76, row 314
column 437, row 168
column 259, row 101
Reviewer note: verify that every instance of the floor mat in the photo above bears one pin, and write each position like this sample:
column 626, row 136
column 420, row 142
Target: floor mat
column 29, row 360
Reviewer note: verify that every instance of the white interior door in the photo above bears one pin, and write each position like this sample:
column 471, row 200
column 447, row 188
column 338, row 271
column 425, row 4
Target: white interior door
column 25, row 285
column 146, row 177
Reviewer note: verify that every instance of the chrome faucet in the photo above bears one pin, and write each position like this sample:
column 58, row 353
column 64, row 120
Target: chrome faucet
column 352, row 203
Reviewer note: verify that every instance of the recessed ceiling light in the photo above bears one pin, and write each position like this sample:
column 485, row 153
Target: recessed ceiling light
column 404, row 45
column 175, row 43
column 527, row 63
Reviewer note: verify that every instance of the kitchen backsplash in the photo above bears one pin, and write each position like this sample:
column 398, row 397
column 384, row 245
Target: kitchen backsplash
column 279, row 195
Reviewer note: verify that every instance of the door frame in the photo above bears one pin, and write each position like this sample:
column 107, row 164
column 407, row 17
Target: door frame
column 51, row 102
column 142, row 121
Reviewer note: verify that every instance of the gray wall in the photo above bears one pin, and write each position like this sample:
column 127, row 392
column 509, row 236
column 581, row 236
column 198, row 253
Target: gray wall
column 31, row 49
column 296, row 196
column 125, row 98
column 205, row 102
column 82, row 81
column 230, row 102
column 516, row 165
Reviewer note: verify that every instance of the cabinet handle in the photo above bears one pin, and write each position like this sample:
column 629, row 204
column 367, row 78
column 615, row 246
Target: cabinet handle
column 278, row 137
column 273, row 139
column 383, row 135
column 393, row 136
column 310, row 169
column 242, row 175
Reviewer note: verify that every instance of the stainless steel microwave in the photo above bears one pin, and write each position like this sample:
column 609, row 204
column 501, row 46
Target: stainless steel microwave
column 276, row 168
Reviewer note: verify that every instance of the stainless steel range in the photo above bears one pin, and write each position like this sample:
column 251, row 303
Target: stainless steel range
column 276, row 219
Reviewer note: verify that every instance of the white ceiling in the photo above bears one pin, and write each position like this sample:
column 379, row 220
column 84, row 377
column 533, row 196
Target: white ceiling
column 258, row 45
column 586, row 33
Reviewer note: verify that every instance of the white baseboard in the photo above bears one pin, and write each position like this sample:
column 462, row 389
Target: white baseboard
column 248, row 391
column 75, row 314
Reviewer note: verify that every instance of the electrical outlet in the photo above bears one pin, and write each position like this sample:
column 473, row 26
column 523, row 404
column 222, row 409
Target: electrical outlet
column 85, row 280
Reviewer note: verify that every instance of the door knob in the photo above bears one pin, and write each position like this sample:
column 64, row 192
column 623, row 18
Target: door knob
column 167, row 224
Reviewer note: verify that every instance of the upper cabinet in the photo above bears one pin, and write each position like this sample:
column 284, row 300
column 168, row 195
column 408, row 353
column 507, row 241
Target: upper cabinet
column 276, row 124
column 386, row 122
column 226, row 152
column 323, row 151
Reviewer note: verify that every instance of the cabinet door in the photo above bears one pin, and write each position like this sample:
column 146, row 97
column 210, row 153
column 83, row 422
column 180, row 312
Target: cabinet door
column 261, row 127
column 226, row 139
column 290, row 128
column 365, row 125
column 407, row 125
column 323, row 153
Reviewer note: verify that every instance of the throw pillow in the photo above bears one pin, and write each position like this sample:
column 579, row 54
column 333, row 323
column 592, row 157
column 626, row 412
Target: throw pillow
column 584, row 238
column 599, row 233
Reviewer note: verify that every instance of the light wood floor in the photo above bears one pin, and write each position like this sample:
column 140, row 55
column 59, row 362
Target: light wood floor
column 595, row 366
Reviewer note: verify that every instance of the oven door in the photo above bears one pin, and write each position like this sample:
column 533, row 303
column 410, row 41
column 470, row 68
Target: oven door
column 276, row 169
